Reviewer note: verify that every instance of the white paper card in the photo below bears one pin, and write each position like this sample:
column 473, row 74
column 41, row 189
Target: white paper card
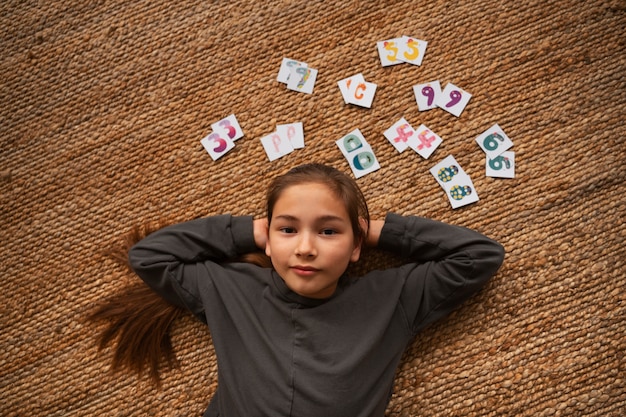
column 412, row 50
column 228, row 127
column 494, row 141
column 302, row 79
column 217, row 145
column 293, row 132
column 453, row 99
column 358, row 153
column 285, row 69
column 275, row 146
column 427, row 95
column 399, row 134
column 426, row 141
column 455, row 182
column 502, row 166
column 388, row 51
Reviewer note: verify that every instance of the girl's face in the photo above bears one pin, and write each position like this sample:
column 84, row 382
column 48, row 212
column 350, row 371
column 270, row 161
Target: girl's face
column 310, row 240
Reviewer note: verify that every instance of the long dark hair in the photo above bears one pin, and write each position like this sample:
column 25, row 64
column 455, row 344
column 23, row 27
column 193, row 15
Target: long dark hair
column 141, row 320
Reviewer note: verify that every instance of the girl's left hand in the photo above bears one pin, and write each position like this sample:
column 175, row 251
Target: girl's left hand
column 260, row 228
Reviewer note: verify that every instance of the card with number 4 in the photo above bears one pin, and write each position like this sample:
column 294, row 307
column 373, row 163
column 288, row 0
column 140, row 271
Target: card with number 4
column 276, row 146
column 425, row 142
column 494, row 141
column 453, row 99
column 293, row 132
column 399, row 135
column 455, row 182
column 358, row 153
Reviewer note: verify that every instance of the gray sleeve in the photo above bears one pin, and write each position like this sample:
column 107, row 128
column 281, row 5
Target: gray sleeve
column 174, row 260
column 447, row 264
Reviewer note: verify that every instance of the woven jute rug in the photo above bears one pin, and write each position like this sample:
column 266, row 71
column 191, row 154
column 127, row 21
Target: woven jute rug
column 102, row 108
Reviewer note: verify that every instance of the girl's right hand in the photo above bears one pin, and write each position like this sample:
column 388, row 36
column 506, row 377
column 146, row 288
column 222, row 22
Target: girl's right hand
column 260, row 228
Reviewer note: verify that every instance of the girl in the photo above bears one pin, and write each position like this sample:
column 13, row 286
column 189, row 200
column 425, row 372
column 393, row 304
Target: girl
column 302, row 338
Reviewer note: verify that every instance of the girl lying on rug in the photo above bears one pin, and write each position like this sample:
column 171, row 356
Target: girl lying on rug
column 299, row 337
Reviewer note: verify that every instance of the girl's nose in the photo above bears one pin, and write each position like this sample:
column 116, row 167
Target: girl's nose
column 306, row 246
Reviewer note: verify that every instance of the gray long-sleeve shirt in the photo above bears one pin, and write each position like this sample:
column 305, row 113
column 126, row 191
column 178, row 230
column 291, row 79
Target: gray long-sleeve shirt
column 281, row 354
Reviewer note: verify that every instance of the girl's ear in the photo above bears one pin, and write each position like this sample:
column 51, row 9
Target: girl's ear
column 356, row 252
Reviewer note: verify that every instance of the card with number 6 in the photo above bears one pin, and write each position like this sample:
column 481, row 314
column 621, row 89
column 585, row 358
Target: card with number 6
column 453, row 99
column 494, row 141
column 502, row 166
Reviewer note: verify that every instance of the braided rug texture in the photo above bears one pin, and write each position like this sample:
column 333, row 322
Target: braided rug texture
column 104, row 103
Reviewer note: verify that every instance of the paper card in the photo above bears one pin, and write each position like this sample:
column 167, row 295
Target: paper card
column 494, row 141
column 388, row 51
column 293, row 132
column 399, row 134
column 461, row 192
column 302, row 79
column 228, row 127
column 275, row 146
column 412, row 50
column 453, row 99
column 355, row 90
column 455, row 182
column 426, row 141
column 346, row 83
column 358, row 153
column 285, row 69
column 502, row 166
column 446, row 170
column 427, row 95
column 217, row 145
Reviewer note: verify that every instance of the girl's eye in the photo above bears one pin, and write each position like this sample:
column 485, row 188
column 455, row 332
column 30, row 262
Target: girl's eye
column 328, row 232
column 287, row 230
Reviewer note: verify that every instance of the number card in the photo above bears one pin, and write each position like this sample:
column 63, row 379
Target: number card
column 275, row 146
column 455, row 182
column 389, row 51
column 494, row 141
column 502, row 166
column 285, row 69
column 426, row 141
column 217, row 145
column 358, row 153
column 412, row 50
column 302, row 79
column 292, row 132
column 399, row 135
column 427, row 94
column 355, row 90
column 228, row 127
column 453, row 99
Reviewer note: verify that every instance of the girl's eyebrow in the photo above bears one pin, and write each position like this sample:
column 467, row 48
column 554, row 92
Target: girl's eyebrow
column 324, row 218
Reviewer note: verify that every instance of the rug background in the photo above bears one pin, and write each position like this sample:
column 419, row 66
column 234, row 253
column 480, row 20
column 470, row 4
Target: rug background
column 103, row 107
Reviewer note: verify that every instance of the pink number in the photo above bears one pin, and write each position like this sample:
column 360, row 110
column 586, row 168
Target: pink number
column 291, row 132
column 402, row 135
column 455, row 97
column 231, row 131
column 430, row 93
column 222, row 145
column 276, row 141
column 424, row 140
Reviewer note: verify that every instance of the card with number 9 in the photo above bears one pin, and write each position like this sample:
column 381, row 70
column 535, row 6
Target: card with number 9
column 427, row 94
